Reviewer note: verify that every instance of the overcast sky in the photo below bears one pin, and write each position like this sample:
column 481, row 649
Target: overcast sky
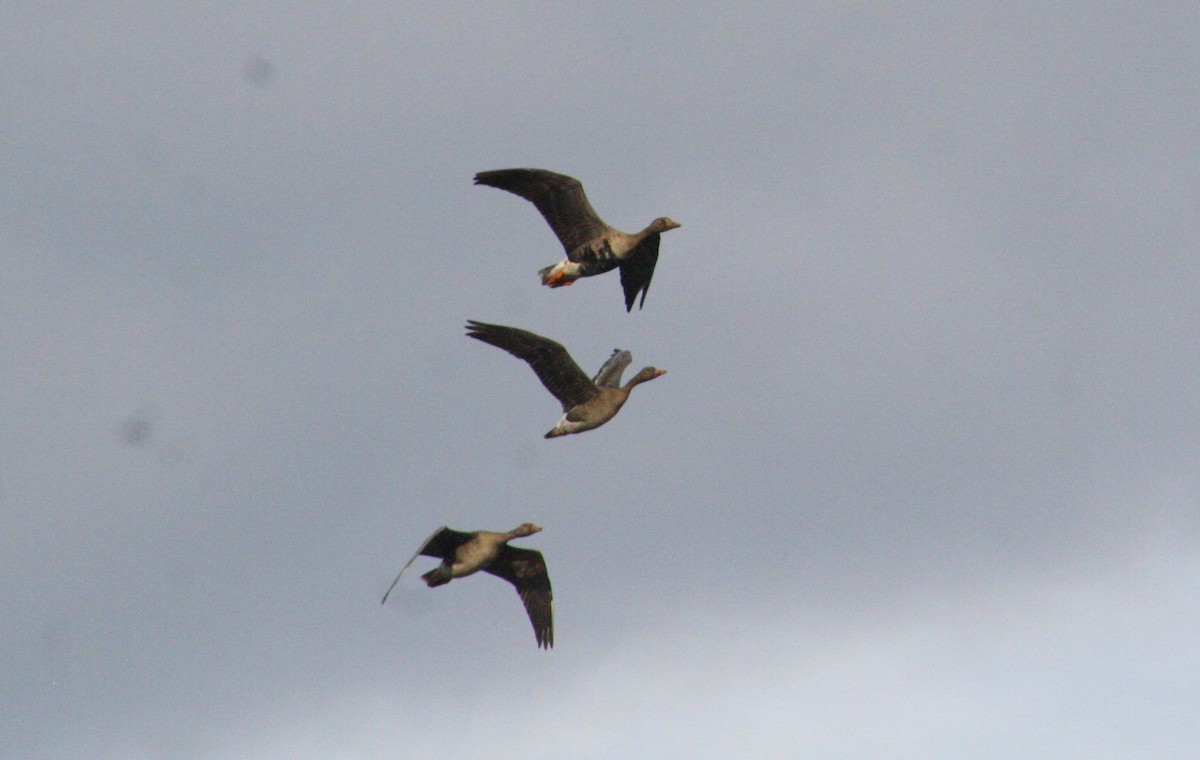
column 921, row 480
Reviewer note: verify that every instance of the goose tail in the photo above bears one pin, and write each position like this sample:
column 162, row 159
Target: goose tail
column 556, row 275
column 438, row 576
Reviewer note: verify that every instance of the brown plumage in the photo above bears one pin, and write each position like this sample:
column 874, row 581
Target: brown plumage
column 592, row 246
column 587, row 403
column 463, row 554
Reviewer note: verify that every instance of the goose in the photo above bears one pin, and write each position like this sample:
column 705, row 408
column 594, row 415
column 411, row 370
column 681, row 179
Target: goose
column 592, row 246
column 586, row 404
column 464, row 554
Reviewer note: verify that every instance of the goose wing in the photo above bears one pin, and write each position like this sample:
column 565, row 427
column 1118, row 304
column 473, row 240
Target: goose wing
column 441, row 544
column 526, row 570
column 549, row 360
column 560, row 199
column 610, row 374
column 637, row 269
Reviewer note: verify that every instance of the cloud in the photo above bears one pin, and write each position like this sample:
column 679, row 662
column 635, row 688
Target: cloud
column 927, row 425
column 1050, row 666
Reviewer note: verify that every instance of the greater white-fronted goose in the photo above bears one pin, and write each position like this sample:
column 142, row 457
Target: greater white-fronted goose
column 592, row 246
column 586, row 403
column 463, row 554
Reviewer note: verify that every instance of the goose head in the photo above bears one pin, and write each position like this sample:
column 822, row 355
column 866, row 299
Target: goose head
column 663, row 223
column 525, row 529
column 646, row 373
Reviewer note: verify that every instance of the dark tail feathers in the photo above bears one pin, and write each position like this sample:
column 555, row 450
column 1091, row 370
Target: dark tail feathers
column 436, row 577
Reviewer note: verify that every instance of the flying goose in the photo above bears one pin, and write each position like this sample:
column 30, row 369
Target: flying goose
column 592, row 246
column 463, row 554
column 586, row 403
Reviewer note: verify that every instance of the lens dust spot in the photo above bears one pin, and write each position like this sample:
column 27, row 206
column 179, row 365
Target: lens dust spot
column 259, row 72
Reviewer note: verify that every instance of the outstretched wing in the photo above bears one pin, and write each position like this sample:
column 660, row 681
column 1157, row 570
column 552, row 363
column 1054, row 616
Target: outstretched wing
column 637, row 269
column 440, row 544
column 553, row 365
column 525, row 569
column 560, row 199
column 610, row 374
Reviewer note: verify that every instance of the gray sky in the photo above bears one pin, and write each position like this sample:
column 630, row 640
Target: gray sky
column 920, row 482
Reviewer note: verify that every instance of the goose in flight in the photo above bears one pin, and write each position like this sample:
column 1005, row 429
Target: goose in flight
column 592, row 246
column 587, row 403
column 463, row 554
